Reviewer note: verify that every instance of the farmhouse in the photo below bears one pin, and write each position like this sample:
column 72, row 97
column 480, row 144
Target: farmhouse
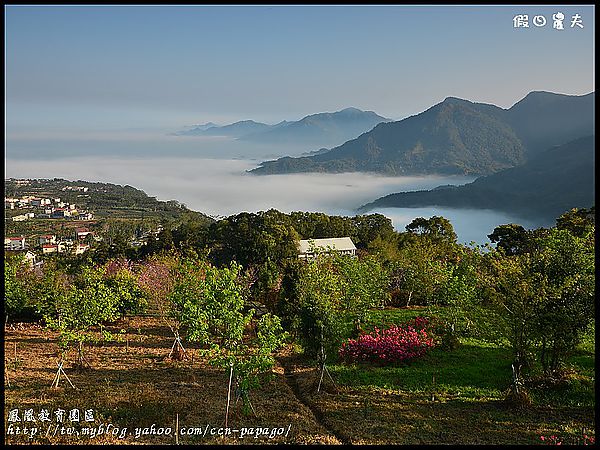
column 49, row 248
column 14, row 243
column 343, row 245
column 81, row 233
column 60, row 212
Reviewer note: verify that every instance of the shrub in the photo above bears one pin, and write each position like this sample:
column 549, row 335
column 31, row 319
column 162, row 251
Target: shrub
column 396, row 344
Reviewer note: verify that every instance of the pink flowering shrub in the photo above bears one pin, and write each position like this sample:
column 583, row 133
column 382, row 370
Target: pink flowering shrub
column 399, row 343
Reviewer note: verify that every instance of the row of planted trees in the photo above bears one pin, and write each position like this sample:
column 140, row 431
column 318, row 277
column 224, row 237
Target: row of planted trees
column 201, row 303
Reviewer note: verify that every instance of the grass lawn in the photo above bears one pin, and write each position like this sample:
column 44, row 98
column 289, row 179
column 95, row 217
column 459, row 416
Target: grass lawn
column 455, row 396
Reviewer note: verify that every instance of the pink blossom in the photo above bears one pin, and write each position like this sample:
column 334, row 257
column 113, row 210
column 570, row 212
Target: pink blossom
column 395, row 344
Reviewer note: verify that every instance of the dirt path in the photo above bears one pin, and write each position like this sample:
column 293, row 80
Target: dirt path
column 297, row 377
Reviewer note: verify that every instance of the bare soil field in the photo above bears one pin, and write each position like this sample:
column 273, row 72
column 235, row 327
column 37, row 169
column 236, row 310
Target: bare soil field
column 139, row 396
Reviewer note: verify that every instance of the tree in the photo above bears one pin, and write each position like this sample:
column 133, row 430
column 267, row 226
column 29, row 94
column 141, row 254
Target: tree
column 121, row 279
column 437, row 228
column 420, row 270
column 213, row 309
column 17, row 304
column 321, row 308
column 512, row 238
column 87, row 301
column 542, row 300
column 579, row 221
column 365, row 285
column 157, row 279
column 513, row 294
column 567, row 263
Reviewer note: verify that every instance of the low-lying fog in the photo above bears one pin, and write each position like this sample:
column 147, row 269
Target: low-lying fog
column 209, row 175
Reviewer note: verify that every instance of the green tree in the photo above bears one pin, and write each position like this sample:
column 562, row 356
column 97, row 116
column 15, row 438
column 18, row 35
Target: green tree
column 213, row 309
column 17, row 304
column 437, row 228
column 543, row 300
column 120, row 278
column 512, row 238
column 579, row 221
column 87, row 301
column 513, row 294
column 322, row 312
column 567, row 264
column 365, row 284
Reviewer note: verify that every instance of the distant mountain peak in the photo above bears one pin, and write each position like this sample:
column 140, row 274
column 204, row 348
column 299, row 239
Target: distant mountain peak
column 352, row 109
column 456, row 100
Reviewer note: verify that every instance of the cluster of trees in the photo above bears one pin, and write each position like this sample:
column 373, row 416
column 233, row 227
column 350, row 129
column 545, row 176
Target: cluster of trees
column 72, row 300
column 534, row 290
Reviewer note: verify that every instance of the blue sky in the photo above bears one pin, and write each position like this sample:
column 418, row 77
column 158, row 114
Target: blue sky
column 103, row 67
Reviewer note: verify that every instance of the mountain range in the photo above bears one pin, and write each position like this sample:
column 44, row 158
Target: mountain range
column 316, row 130
column 455, row 136
column 549, row 184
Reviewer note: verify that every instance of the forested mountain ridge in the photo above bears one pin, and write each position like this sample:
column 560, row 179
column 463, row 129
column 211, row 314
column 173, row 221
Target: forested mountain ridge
column 551, row 183
column 455, row 136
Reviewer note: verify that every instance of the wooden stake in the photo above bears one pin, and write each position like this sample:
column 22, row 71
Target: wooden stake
column 177, row 429
column 321, row 378
column 229, row 392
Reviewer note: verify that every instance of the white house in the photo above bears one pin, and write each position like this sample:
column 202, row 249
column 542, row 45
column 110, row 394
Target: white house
column 49, row 248
column 81, row 233
column 343, row 245
column 85, row 216
column 14, row 243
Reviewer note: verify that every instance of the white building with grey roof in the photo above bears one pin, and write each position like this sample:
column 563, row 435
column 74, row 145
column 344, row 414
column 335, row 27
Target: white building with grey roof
column 308, row 247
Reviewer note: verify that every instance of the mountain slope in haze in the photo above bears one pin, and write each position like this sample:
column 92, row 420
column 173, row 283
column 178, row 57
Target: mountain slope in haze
column 551, row 183
column 545, row 119
column 322, row 129
column 236, row 129
column 316, row 130
column 198, row 128
column 455, row 137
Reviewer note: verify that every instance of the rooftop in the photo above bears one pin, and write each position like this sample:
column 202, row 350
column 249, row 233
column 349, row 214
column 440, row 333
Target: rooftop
column 341, row 244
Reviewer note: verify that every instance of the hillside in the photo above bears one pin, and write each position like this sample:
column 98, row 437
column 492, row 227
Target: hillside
column 551, row 183
column 103, row 199
column 544, row 119
column 455, row 137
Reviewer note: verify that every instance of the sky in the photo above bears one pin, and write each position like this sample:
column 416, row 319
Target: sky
column 72, row 68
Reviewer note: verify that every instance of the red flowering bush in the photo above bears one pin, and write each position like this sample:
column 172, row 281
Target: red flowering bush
column 400, row 343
